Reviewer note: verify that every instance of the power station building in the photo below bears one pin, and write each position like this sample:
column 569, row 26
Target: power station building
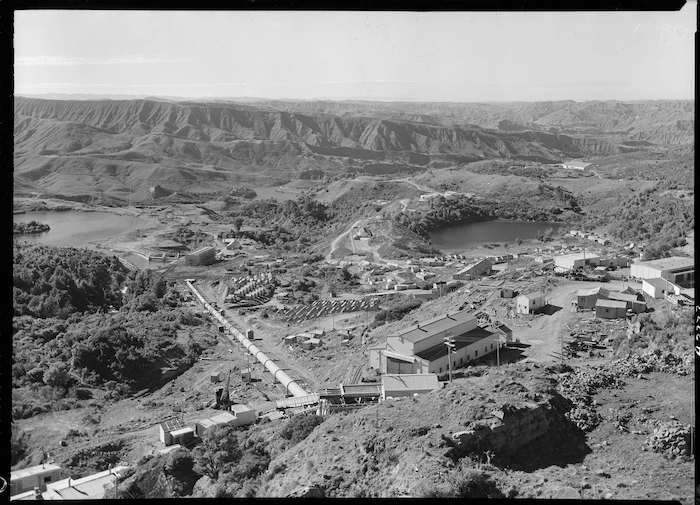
column 420, row 349
column 203, row 256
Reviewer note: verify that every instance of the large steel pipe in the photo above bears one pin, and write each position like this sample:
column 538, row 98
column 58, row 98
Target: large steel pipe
column 279, row 374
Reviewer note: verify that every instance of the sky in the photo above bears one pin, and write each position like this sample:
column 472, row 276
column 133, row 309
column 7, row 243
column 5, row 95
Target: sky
column 413, row 56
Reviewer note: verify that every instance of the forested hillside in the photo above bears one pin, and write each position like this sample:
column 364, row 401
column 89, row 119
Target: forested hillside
column 65, row 335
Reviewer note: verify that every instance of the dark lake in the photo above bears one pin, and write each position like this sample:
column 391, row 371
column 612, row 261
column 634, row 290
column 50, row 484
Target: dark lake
column 459, row 238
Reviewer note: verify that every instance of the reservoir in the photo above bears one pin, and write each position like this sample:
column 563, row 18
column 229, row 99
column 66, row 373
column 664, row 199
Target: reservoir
column 72, row 228
column 271, row 192
column 464, row 236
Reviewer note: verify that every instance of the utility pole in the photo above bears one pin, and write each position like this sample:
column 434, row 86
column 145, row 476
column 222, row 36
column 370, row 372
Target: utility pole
column 450, row 343
column 498, row 351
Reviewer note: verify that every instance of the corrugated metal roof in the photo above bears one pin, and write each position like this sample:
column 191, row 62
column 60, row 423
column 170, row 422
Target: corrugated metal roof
column 613, row 304
column 576, row 256
column 431, row 327
column 671, row 263
column 440, row 350
column 396, row 355
column 201, row 250
column 657, row 282
column 410, row 382
column 623, row 296
column 600, row 291
column 181, row 431
column 172, row 425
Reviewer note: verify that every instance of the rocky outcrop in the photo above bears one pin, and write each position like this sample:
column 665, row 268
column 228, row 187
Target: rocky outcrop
column 509, row 428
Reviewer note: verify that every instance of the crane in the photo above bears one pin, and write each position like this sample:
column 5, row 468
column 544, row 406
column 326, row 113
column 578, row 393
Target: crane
column 223, row 400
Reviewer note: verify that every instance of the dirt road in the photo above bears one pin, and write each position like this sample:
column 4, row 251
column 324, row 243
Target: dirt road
column 545, row 332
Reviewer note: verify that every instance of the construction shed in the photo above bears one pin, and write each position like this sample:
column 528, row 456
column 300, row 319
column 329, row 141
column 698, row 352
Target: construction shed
column 311, row 343
column 587, row 298
column 657, row 287
column 507, row 292
column 529, row 303
column 610, row 309
column 244, row 414
column 167, row 428
column 633, row 304
column 183, row 436
column 204, row 426
column 400, row 385
column 203, row 256
column 34, row 476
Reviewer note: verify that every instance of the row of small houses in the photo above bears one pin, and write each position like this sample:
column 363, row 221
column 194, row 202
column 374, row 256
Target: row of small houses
column 308, row 340
column 609, row 304
column 589, row 236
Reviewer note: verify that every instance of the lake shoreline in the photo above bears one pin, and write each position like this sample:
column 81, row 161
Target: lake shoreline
column 497, row 233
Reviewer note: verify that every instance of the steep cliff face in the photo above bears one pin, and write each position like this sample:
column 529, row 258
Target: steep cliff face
column 75, row 147
column 61, row 127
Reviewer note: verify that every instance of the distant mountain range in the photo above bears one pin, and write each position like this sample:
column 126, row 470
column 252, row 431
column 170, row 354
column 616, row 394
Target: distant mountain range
column 114, row 142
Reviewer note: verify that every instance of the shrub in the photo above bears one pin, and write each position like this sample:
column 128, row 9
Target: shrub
column 299, row 427
column 18, row 446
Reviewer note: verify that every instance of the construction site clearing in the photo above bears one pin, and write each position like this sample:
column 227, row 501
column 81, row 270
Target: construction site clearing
column 282, row 354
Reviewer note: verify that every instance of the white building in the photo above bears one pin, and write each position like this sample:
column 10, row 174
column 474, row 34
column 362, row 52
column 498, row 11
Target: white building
column 657, row 287
column 93, row 487
column 676, row 269
column 173, row 431
column 35, row 476
column 529, row 303
column 568, row 262
column 420, row 349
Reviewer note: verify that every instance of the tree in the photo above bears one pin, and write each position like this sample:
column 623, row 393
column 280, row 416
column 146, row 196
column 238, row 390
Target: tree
column 57, row 376
column 237, row 223
column 218, row 450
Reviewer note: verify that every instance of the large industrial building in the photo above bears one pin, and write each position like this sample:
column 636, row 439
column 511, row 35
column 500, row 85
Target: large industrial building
column 568, row 262
column 421, row 349
column 203, row 256
column 678, row 270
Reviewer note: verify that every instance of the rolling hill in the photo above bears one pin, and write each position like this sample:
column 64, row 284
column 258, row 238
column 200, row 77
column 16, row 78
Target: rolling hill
column 111, row 147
